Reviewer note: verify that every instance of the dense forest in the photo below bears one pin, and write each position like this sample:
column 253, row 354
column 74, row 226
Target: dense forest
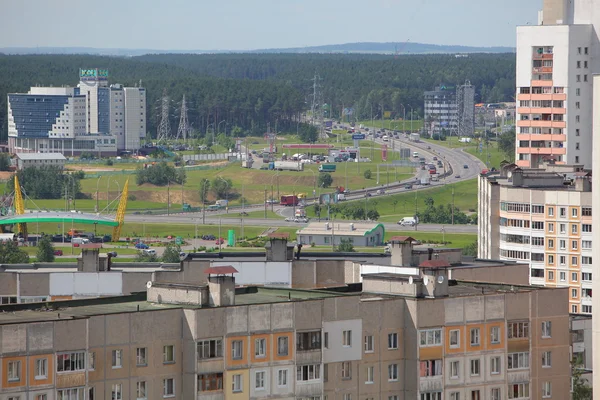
column 249, row 91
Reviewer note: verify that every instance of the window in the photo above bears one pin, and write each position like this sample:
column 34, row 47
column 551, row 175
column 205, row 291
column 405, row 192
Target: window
column 140, row 390
column 392, row 341
column 586, row 244
column 308, row 340
column 91, row 360
column 475, row 367
column 117, row 358
column 14, row 371
column 574, row 229
column 431, row 396
column 547, row 387
column 455, row 396
column 236, row 383
column 574, row 274
column 211, row 348
column 550, row 243
column 551, row 211
column 347, row 396
column 586, row 211
column 550, row 226
column 347, row 338
column 563, row 228
column 168, row 354
column 454, row 338
column 370, row 375
column 393, row 372
column 308, row 372
column 518, row 360
column 539, row 225
column 587, row 228
column 237, row 349
column 495, row 334
column 475, row 395
column 574, row 245
column 369, row 344
column 45, row 397
column 260, row 348
column 210, row 382
column 574, row 293
column 346, row 370
column 547, row 359
column 41, row 368
column 259, row 380
column 586, row 260
column 67, row 362
column 546, row 329
column 562, row 276
column 518, row 330
column 495, row 365
column 326, row 340
column 495, row 394
column 70, row 394
column 282, row 377
column 430, row 337
column 563, row 212
column 430, row 368
column 586, row 276
column 140, row 359
column 282, row 346
column 586, row 293
column 562, row 244
column 574, row 309
column 475, row 338
column 454, row 369
column 168, row 387
column 117, row 391
column 392, row 397
column 586, row 309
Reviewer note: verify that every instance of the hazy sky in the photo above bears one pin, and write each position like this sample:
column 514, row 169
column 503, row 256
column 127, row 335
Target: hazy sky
column 256, row 24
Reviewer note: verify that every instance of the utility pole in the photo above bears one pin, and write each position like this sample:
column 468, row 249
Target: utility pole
column 168, row 195
column 416, row 212
column 452, row 206
column 265, row 203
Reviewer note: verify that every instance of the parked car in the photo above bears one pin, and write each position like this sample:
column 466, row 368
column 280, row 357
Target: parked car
column 220, row 241
column 149, row 252
column 112, row 253
column 141, row 246
column 465, row 166
column 58, row 252
column 457, row 176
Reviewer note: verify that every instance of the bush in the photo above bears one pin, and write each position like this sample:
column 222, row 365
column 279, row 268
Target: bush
column 132, row 197
column 108, row 162
column 171, row 254
column 325, row 180
column 368, row 174
column 45, row 251
column 160, row 175
column 345, row 246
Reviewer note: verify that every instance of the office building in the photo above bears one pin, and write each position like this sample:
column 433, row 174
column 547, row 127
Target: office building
column 554, row 84
column 332, row 233
column 28, row 160
column 450, row 111
column 90, row 118
column 542, row 218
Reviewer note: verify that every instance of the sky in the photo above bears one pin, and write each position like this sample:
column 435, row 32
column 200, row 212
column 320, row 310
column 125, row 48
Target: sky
column 259, row 24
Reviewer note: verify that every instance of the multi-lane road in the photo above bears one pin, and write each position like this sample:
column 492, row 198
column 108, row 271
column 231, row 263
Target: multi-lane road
column 454, row 158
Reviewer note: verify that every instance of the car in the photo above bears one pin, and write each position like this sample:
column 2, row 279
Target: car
column 457, row 176
column 465, row 166
column 220, row 241
column 58, row 252
column 434, row 158
column 368, row 194
column 182, row 254
column 290, row 219
column 141, row 246
column 346, row 191
column 149, row 252
column 381, row 191
column 408, row 186
column 428, row 147
column 271, row 201
column 112, row 254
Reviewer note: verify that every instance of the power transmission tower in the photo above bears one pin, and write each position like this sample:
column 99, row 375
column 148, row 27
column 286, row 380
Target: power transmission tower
column 183, row 128
column 164, row 128
column 465, row 104
column 317, row 107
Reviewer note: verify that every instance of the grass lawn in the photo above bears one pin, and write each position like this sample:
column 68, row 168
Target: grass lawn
column 253, row 214
column 32, row 250
column 454, row 240
column 398, row 125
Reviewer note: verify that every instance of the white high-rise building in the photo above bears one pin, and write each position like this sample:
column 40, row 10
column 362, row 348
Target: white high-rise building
column 554, row 84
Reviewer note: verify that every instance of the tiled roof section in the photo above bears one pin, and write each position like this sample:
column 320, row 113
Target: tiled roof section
column 402, row 239
column 225, row 269
column 434, row 264
column 279, row 235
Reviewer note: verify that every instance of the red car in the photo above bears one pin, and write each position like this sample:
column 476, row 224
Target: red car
column 220, row 241
column 58, row 252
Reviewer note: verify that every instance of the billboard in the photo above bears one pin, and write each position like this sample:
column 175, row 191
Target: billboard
column 93, row 74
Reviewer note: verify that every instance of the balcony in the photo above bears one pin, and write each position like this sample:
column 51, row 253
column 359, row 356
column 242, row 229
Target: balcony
column 542, row 70
column 541, row 137
column 541, row 83
column 542, row 150
column 544, row 56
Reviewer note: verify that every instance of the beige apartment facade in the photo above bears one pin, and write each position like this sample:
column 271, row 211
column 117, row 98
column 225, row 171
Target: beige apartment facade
column 542, row 218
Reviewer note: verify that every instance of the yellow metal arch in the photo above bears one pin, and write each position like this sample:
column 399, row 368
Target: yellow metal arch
column 20, row 207
column 120, row 218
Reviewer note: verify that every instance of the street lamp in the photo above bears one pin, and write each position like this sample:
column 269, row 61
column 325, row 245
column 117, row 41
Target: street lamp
column 219, row 126
column 204, row 201
column 226, row 193
column 411, row 118
column 97, row 183
column 443, row 235
column 213, row 134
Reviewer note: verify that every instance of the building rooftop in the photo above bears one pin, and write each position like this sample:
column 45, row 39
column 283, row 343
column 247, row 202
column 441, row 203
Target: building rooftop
column 40, row 156
column 339, row 228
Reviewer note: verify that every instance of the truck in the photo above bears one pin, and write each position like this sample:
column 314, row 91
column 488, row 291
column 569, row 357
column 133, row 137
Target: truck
column 327, row 168
column 247, row 163
column 408, row 221
column 289, row 200
column 341, row 197
column 288, row 166
column 424, row 180
column 222, row 203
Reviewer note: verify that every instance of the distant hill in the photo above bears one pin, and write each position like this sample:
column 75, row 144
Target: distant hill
column 356, row 48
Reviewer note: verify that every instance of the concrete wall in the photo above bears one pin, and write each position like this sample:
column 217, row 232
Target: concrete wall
column 517, row 274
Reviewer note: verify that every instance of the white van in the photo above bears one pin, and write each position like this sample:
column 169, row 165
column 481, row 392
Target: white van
column 408, row 221
column 79, row 240
column 415, row 154
column 385, row 138
column 149, row 252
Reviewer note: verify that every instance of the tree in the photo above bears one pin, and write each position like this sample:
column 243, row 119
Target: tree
column 345, row 246
column 325, row 180
column 373, row 215
column 221, row 187
column 171, row 254
column 506, row 144
column 204, row 189
column 4, row 162
column 394, row 204
column 581, row 389
column 367, row 174
column 48, row 182
column 470, row 250
column 10, row 253
column 45, row 251
column 160, row 174
column 429, row 202
column 143, row 257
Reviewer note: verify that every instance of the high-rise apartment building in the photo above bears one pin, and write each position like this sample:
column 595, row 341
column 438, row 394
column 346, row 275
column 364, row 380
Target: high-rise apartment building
column 543, row 219
column 92, row 117
column 554, row 84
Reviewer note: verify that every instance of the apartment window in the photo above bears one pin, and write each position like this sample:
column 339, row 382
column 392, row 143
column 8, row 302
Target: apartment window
column 346, row 370
column 547, row 359
column 370, row 375
column 45, row 397
column 586, row 260
column 475, row 337
column 539, row 225
column 577, row 92
column 495, row 334
column 308, row 340
column 430, row 368
column 454, row 369
column 68, row 362
column 430, row 337
column 117, row 392
column 282, row 346
column 585, row 64
column 260, row 348
column 236, row 383
column 326, row 340
column 259, row 380
column 546, row 329
column 475, row 395
column 41, row 368
column 562, row 276
column 347, row 338
column 117, row 358
column 551, row 211
column 392, row 397
column 586, row 292
column 168, row 354
column 547, row 388
column 586, row 211
column 169, row 387
column 455, row 396
column 210, row 348
column 70, row 394
column 308, row 372
column 392, row 341
column 14, row 371
column 563, row 212
column 369, row 345
column 454, row 338
column 475, row 367
column 91, row 361
column 518, row 330
column 282, row 377
column 550, row 273
column 210, row 382
column 587, row 228
column 578, row 64
column 347, row 396
column 574, row 245
column 237, row 349
column 518, row 360
column 578, row 78
column 573, row 293
column 495, row 394
column 585, row 78
column 141, row 360
column 579, row 50
column 518, row 391
column 586, row 309
column 393, row 372
column 562, row 244
column 574, row 229
column 586, row 276
column 550, row 226
column 563, row 260
column 574, row 274
column 573, row 309
column 495, row 365
column 140, row 390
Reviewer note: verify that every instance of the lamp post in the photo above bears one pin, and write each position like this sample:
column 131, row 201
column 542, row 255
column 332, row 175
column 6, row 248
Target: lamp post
column 97, row 183
column 403, row 118
column 213, row 135
column 204, row 201
column 73, row 188
column 219, row 127
column 226, row 194
column 411, row 118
